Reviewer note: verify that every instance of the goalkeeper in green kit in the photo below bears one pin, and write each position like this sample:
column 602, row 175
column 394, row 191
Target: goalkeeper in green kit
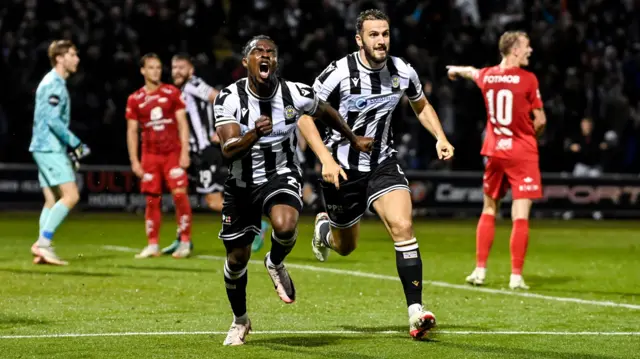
column 56, row 150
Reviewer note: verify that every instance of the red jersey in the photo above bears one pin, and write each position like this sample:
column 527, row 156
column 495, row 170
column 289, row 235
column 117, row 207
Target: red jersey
column 156, row 112
column 510, row 96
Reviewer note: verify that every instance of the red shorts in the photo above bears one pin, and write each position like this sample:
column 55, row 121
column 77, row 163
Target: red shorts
column 522, row 176
column 158, row 167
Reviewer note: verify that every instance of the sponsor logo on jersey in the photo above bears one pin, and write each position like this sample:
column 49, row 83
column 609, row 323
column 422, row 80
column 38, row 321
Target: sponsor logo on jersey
column 504, row 144
column 54, row 100
column 176, row 172
column 507, row 79
column 218, row 110
column 360, row 103
column 163, row 100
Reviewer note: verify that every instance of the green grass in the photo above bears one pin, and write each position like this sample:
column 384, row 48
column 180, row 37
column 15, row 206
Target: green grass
column 105, row 291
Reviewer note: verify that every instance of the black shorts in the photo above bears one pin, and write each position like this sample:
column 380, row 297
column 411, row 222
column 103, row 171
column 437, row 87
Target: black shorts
column 206, row 171
column 345, row 206
column 243, row 208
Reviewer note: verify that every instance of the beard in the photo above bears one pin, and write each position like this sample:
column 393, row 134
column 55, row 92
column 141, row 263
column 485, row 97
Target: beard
column 371, row 56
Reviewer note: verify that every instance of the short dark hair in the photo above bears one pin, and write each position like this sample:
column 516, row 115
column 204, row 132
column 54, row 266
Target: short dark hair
column 182, row 56
column 249, row 45
column 147, row 56
column 371, row 14
column 59, row 48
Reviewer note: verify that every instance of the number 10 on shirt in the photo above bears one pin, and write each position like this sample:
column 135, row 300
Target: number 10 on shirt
column 500, row 105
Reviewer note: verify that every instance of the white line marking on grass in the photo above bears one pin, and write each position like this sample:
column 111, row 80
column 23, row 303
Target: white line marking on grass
column 312, row 332
column 433, row 283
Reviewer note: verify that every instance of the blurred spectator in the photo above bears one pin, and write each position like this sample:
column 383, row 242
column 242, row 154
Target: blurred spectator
column 586, row 56
column 587, row 151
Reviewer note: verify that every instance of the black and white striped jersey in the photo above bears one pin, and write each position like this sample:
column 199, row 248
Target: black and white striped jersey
column 195, row 93
column 367, row 100
column 275, row 153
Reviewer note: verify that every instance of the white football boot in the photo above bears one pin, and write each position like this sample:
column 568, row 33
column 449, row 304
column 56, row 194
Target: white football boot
column 420, row 323
column 319, row 249
column 152, row 250
column 281, row 281
column 183, row 250
column 46, row 255
column 517, row 282
column 237, row 333
column 477, row 276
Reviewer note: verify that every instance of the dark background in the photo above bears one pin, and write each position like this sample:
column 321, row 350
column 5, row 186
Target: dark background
column 586, row 56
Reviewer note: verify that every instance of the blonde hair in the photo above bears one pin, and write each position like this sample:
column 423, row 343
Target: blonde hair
column 59, row 48
column 508, row 40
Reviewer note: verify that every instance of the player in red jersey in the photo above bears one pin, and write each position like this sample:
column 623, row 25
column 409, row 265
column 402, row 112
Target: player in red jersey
column 159, row 112
column 512, row 99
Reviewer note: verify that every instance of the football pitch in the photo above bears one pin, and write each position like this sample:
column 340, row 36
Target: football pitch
column 584, row 300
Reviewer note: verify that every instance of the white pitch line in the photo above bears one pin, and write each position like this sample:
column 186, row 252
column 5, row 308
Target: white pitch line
column 433, row 283
column 312, row 332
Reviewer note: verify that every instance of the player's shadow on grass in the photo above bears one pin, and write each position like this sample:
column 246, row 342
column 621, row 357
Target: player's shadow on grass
column 540, row 280
column 297, row 345
column 518, row 352
column 74, row 273
column 12, row 321
column 170, row 269
column 403, row 329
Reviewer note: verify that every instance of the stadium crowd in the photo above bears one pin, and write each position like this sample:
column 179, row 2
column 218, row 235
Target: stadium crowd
column 586, row 56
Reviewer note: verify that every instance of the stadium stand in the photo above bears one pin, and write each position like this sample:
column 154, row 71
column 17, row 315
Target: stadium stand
column 591, row 68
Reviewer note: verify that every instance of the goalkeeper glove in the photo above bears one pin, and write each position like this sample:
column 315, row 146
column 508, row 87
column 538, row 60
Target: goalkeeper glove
column 77, row 154
column 81, row 151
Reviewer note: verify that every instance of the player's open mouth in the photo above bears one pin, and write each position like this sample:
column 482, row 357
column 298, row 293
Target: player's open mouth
column 264, row 70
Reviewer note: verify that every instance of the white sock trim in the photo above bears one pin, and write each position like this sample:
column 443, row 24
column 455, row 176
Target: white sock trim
column 414, row 308
column 405, row 246
column 228, row 273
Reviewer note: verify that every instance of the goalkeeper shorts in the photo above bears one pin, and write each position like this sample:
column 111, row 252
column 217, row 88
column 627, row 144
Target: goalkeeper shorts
column 54, row 168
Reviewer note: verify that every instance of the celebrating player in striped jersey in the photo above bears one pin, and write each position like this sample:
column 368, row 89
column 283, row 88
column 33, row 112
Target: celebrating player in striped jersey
column 369, row 84
column 49, row 144
column 205, row 172
column 511, row 96
column 256, row 120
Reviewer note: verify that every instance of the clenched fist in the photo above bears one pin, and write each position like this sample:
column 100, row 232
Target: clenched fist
column 363, row 144
column 263, row 126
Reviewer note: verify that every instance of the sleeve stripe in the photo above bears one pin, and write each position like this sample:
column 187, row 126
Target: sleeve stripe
column 224, row 120
column 416, row 98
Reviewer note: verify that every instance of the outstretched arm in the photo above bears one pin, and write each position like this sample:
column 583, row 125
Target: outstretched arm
column 467, row 72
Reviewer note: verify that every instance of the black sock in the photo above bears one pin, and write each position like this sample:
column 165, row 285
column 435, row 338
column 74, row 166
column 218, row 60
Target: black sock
column 281, row 247
column 235, row 280
column 409, row 266
column 325, row 231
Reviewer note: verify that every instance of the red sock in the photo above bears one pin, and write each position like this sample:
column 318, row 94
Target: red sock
column 183, row 215
column 519, row 241
column 152, row 216
column 485, row 233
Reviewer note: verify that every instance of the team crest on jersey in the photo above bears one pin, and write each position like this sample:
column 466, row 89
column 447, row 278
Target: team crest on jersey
column 290, row 112
column 395, row 81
